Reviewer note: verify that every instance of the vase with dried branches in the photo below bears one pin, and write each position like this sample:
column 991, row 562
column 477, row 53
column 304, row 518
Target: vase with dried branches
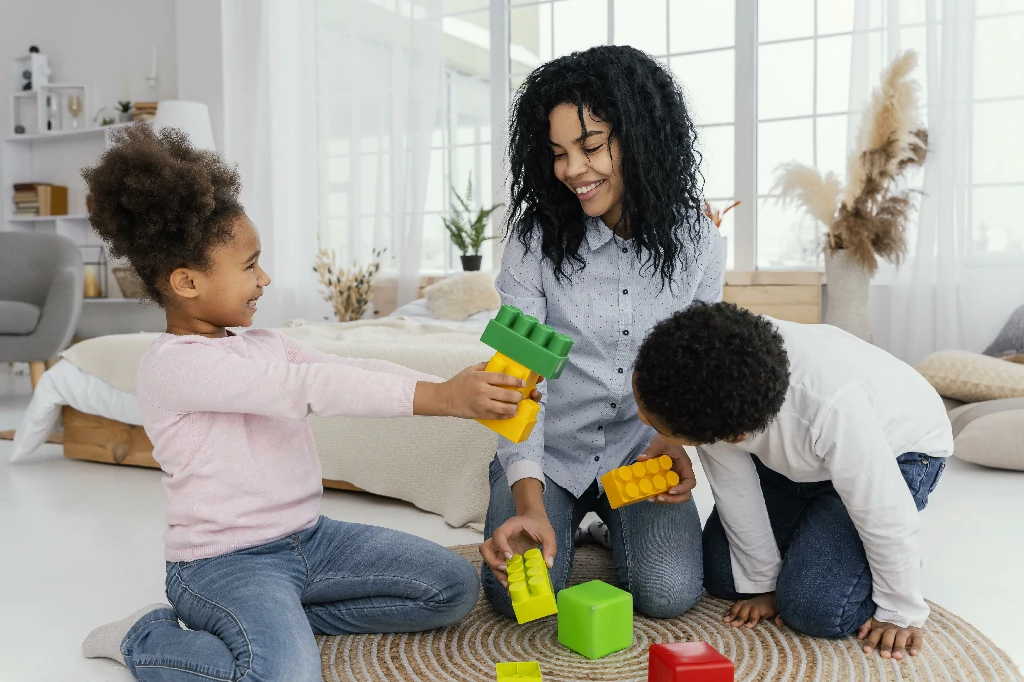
column 866, row 219
column 348, row 291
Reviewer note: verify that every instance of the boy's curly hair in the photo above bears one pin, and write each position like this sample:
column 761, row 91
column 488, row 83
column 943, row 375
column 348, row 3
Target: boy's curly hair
column 161, row 203
column 662, row 183
column 713, row 371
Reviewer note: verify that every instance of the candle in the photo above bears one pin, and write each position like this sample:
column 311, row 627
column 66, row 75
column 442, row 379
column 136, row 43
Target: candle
column 92, row 282
column 153, row 75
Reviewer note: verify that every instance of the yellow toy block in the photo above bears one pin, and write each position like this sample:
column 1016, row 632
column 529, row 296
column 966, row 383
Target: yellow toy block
column 521, row 426
column 529, row 586
column 639, row 481
column 530, row 672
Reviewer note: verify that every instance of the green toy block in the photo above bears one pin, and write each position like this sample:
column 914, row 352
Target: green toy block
column 595, row 619
column 535, row 346
column 530, row 672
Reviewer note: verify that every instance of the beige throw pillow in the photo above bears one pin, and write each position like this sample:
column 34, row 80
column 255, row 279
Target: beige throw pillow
column 458, row 297
column 972, row 377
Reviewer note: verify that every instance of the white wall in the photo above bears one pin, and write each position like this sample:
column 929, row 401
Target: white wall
column 91, row 42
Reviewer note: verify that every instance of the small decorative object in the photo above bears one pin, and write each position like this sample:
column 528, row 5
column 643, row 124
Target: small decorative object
column 715, row 215
column 124, row 111
column 348, row 291
column 867, row 219
column 129, row 283
column 468, row 237
column 53, row 111
column 19, row 129
column 74, row 108
column 95, row 271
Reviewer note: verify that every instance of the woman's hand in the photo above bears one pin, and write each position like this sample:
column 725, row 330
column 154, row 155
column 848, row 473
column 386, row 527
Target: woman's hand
column 517, row 535
column 749, row 612
column 471, row 394
column 681, row 464
column 891, row 640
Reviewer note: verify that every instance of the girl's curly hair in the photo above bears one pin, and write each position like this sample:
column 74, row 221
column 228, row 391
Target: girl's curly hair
column 713, row 371
column 161, row 203
column 661, row 175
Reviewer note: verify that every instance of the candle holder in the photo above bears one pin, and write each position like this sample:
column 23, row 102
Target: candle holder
column 94, row 267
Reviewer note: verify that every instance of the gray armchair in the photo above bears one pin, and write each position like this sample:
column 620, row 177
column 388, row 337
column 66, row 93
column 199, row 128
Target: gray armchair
column 40, row 297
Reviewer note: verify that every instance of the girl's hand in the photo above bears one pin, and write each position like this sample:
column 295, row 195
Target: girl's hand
column 515, row 536
column 891, row 640
column 748, row 612
column 681, row 464
column 470, row 394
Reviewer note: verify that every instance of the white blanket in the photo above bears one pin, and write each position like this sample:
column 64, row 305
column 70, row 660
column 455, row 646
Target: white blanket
column 439, row 465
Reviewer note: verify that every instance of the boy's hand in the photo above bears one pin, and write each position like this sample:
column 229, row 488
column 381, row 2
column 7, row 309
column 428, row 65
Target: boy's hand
column 515, row 536
column 748, row 612
column 681, row 464
column 892, row 640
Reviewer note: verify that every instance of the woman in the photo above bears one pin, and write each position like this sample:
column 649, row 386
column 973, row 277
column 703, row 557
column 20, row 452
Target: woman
column 606, row 238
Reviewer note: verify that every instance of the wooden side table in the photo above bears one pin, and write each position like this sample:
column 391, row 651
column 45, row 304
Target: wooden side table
column 794, row 295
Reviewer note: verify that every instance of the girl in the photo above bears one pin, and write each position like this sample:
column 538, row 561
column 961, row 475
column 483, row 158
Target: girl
column 606, row 239
column 253, row 570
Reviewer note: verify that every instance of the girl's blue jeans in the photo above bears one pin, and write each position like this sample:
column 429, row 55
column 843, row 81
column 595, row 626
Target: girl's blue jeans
column 252, row 614
column 824, row 585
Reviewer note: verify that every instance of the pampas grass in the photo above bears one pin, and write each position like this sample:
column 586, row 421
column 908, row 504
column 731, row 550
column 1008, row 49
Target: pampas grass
column 869, row 216
column 348, row 291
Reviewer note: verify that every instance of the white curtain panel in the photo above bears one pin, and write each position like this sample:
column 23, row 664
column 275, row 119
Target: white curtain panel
column 381, row 67
column 925, row 296
column 271, row 132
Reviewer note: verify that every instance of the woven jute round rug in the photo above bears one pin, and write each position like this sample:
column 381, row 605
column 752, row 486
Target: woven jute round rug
column 954, row 650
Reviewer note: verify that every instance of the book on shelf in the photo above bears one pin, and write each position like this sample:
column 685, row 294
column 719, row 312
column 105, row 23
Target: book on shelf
column 40, row 199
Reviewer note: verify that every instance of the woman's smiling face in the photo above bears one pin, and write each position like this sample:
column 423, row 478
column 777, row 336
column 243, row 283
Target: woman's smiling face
column 587, row 162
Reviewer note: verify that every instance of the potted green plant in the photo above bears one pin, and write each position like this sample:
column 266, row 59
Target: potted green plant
column 124, row 110
column 468, row 236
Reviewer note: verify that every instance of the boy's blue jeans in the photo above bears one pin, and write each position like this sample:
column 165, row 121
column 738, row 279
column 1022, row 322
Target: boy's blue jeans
column 252, row 614
column 824, row 585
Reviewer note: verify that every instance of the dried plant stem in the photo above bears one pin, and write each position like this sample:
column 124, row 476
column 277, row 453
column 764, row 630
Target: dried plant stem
column 348, row 291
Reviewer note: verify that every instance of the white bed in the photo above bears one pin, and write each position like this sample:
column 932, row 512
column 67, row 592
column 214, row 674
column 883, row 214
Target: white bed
column 437, row 464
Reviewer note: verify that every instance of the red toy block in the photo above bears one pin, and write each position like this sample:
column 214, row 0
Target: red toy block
column 688, row 662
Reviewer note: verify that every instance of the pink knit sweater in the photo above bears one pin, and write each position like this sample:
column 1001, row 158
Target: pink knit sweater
column 227, row 418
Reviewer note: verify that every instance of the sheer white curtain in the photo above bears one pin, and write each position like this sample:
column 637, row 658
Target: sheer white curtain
column 271, row 132
column 925, row 296
column 380, row 80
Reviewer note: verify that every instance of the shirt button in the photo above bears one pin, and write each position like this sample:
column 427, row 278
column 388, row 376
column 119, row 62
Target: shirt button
column 597, row 458
column 613, row 404
column 625, row 250
column 620, row 370
column 625, row 332
column 625, row 291
column 600, row 428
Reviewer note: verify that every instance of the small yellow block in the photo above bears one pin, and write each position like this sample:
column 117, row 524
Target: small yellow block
column 521, row 426
column 527, row 671
column 529, row 586
column 639, row 481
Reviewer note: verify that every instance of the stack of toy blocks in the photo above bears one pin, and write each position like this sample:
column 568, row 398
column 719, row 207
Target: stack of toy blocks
column 639, row 481
column 529, row 586
column 527, row 350
column 688, row 662
column 595, row 619
column 528, row 672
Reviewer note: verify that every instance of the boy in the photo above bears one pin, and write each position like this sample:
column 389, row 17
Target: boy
column 820, row 448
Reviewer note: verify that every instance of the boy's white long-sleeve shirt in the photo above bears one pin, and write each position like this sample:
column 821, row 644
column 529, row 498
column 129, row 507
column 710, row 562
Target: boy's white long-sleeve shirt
column 851, row 409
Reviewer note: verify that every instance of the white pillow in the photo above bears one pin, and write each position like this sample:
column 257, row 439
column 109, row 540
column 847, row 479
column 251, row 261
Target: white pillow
column 456, row 298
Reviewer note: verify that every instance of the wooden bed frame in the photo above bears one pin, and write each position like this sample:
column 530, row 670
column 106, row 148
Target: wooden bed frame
column 97, row 439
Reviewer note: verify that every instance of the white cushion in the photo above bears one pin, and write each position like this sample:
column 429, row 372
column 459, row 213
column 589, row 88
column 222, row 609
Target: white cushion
column 456, row 298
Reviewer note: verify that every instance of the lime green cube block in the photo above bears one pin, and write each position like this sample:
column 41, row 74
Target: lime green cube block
column 528, row 672
column 595, row 619
column 522, row 338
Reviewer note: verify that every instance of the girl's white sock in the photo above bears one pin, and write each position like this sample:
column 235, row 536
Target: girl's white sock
column 105, row 641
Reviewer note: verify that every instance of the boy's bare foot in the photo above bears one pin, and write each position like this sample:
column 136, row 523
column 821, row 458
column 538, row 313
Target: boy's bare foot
column 749, row 612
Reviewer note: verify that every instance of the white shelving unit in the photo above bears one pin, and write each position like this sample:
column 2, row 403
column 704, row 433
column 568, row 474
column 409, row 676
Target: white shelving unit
column 57, row 157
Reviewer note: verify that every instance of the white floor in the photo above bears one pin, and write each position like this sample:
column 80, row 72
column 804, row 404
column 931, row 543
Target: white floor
column 82, row 546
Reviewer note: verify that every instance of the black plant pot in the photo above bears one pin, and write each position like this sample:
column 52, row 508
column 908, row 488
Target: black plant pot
column 471, row 263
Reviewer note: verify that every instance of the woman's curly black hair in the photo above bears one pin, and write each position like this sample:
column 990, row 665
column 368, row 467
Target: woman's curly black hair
column 161, row 203
column 712, row 372
column 662, row 183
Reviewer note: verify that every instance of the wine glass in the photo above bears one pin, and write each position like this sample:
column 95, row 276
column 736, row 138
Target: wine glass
column 74, row 108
